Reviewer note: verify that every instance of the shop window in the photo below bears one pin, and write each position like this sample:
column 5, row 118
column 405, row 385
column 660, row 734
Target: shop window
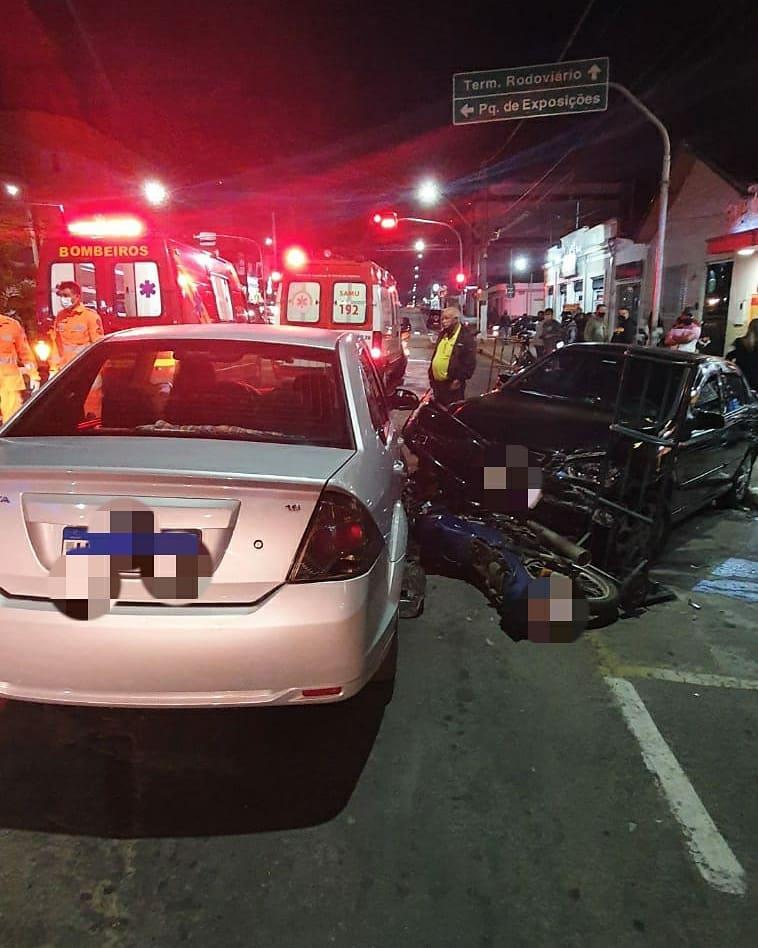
column 81, row 273
column 598, row 288
column 137, row 290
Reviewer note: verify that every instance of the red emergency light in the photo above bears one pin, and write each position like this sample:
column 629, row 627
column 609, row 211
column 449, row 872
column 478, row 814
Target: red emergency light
column 460, row 278
column 387, row 220
column 295, row 258
column 100, row 227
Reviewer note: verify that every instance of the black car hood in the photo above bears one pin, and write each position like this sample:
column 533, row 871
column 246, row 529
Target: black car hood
column 536, row 421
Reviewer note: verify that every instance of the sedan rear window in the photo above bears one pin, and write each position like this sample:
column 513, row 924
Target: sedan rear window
column 217, row 389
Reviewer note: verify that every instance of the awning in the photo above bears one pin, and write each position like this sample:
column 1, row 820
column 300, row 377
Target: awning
column 730, row 243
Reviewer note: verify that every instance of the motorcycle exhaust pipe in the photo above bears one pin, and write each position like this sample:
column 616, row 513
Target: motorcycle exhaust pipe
column 557, row 543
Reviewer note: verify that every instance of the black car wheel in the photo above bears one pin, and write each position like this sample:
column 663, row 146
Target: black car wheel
column 737, row 493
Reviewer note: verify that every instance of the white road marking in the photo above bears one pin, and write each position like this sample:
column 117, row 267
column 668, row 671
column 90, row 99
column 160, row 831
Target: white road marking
column 702, row 678
column 714, row 859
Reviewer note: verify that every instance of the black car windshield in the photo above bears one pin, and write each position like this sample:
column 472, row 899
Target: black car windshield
column 219, row 389
column 651, row 387
column 576, row 374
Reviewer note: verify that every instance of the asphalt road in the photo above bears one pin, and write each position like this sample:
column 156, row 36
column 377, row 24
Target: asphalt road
column 602, row 793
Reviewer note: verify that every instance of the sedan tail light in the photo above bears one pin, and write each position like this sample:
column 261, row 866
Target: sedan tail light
column 341, row 542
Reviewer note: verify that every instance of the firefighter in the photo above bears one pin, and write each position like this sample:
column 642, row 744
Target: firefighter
column 76, row 327
column 14, row 348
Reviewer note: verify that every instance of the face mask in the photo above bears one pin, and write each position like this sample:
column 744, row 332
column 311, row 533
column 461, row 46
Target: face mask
column 66, row 302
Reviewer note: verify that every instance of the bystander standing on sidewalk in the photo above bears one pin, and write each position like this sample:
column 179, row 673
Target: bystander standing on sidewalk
column 596, row 327
column 454, row 358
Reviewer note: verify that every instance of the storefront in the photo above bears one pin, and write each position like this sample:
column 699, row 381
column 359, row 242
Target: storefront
column 592, row 266
column 731, row 288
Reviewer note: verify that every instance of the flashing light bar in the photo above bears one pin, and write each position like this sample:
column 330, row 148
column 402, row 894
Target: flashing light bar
column 99, row 227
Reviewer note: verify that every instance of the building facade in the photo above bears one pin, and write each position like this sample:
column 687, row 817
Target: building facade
column 711, row 251
column 593, row 266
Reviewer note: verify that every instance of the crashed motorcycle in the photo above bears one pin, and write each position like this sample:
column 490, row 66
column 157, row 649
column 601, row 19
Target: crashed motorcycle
column 453, row 532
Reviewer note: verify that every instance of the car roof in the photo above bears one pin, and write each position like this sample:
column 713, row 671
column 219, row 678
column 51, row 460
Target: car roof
column 238, row 332
column 651, row 352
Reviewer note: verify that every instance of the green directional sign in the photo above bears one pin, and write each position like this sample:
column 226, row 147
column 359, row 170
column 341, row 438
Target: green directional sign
column 497, row 95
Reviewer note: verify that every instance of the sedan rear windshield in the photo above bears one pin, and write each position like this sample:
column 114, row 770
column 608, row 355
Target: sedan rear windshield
column 218, row 389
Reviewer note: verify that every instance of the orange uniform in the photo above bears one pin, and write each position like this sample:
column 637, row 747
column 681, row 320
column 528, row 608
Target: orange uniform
column 14, row 348
column 74, row 330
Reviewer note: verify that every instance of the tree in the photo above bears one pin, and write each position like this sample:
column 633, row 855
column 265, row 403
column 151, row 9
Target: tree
column 18, row 275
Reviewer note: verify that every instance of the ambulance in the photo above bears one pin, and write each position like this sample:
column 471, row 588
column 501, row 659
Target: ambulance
column 359, row 295
column 133, row 275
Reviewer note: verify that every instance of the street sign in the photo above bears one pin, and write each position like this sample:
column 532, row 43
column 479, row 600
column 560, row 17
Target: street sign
column 497, row 95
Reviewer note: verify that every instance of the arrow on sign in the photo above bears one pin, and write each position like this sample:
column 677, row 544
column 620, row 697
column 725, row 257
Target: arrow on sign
column 467, row 110
column 594, row 71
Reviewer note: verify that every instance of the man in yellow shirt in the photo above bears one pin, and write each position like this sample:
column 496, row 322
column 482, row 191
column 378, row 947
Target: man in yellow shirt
column 14, row 348
column 454, row 358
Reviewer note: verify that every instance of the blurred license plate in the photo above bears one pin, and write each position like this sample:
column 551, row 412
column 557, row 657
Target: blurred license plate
column 74, row 538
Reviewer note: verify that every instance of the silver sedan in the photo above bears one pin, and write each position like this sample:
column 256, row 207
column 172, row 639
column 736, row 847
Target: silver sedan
column 202, row 516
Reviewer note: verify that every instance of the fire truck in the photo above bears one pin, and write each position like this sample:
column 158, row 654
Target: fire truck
column 133, row 275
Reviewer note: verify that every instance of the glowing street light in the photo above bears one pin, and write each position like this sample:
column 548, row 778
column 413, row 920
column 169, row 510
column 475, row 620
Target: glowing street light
column 520, row 263
column 419, row 245
column 155, row 193
column 420, row 256
column 269, row 241
column 429, row 192
column 12, row 190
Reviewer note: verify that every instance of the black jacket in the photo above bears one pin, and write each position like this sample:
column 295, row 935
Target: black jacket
column 747, row 360
column 463, row 359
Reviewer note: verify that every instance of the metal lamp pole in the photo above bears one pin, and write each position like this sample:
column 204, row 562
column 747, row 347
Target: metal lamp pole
column 422, row 220
column 663, row 197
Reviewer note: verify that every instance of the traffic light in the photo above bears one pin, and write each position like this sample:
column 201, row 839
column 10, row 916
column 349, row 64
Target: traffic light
column 460, row 279
column 295, row 258
column 387, row 220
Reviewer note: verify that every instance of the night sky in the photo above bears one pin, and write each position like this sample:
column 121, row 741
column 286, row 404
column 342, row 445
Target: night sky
column 325, row 110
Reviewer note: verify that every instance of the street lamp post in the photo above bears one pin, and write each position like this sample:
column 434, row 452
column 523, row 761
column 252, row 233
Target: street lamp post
column 14, row 191
column 422, row 220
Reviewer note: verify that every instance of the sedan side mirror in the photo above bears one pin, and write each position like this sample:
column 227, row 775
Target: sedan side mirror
column 403, row 399
column 707, row 420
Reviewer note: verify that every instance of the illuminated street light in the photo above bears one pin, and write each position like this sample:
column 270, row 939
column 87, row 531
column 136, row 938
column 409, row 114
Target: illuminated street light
column 295, row 258
column 269, row 241
column 520, row 263
column 419, row 245
column 155, row 193
column 419, row 255
column 12, row 190
column 429, row 192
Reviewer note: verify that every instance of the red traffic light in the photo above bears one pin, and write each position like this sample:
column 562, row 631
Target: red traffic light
column 387, row 220
column 295, row 258
column 460, row 278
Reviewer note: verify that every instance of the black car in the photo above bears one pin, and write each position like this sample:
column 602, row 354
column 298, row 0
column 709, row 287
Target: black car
column 630, row 439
